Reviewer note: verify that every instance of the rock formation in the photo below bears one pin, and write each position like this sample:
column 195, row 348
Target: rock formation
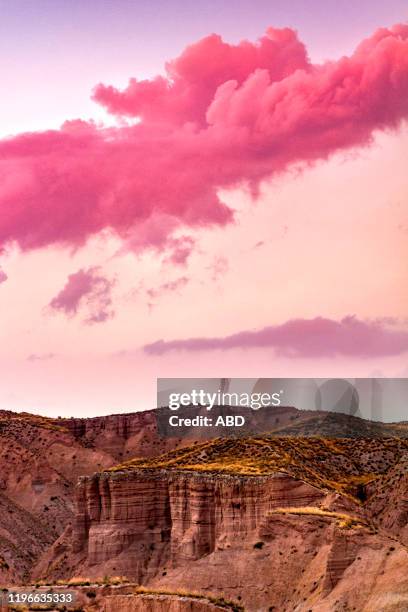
column 275, row 540
column 274, row 522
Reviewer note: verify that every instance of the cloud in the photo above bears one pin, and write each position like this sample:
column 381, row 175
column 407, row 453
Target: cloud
column 86, row 288
column 218, row 268
column 180, row 250
column 40, row 357
column 319, row 337
column 168, row 287
column 222, row 116
column 188, row 88
column 3, row 276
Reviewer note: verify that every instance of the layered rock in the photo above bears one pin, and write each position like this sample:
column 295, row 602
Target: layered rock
column 117, row 434
column 209, row 512
column 127, row 597
column 41, row 460
column 218, row 517
column 222, row 534
column 160, row 603
column 141, row 520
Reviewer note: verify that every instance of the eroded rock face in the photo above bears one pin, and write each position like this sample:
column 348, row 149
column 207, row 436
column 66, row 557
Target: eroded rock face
column 210, row 513
column 40, row 462
column 178, row 522
column 158, row 603
column 129, row 597
column 22, row 538
column 388, row 502
column 144, row 519
column 118, row 434
column 219, row 534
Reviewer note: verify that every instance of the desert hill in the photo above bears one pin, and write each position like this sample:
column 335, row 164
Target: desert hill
column 41, row 460
column 278, row 521
column 337, row 464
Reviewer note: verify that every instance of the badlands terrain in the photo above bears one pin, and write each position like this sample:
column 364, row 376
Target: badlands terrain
column 311, row 516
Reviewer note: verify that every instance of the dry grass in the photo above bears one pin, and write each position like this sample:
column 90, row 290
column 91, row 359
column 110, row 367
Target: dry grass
column 215, row 599
column 86, row 581
column 117, row 581
column 343, row 520
column 338, row 465
column 35, row 420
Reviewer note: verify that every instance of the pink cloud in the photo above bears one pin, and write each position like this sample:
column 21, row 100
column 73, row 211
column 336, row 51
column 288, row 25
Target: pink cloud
column 168, row 287
column 180, row 250
column 222, row 116
column 218, row 268
column 317, row 337
column 34, row 357
column 89, row 289
column 186, row 92
column 3, row 276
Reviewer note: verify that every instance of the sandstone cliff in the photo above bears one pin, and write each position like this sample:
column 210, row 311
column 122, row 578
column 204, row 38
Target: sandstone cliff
column 140, row 521
column 273, row 541
column 274, row 522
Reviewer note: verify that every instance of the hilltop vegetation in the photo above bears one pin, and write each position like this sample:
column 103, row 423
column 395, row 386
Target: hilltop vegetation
column 333, row 464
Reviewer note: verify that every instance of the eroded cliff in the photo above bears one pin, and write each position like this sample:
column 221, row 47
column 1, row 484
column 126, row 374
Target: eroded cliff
column 289, row 538
column 140, row 520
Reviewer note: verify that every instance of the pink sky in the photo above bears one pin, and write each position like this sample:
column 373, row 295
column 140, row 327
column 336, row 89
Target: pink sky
column 246, row 218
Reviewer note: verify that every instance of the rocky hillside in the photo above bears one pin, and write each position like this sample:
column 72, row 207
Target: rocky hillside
column 275, row 523
column 40, row 462
column 282, row 521
column 117, row 595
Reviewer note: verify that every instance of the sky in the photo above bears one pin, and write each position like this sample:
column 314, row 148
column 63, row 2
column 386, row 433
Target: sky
column 236, row 209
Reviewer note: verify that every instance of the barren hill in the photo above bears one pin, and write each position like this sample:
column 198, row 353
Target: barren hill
column 277, row 523
column 281, row 521
column 41, row 460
